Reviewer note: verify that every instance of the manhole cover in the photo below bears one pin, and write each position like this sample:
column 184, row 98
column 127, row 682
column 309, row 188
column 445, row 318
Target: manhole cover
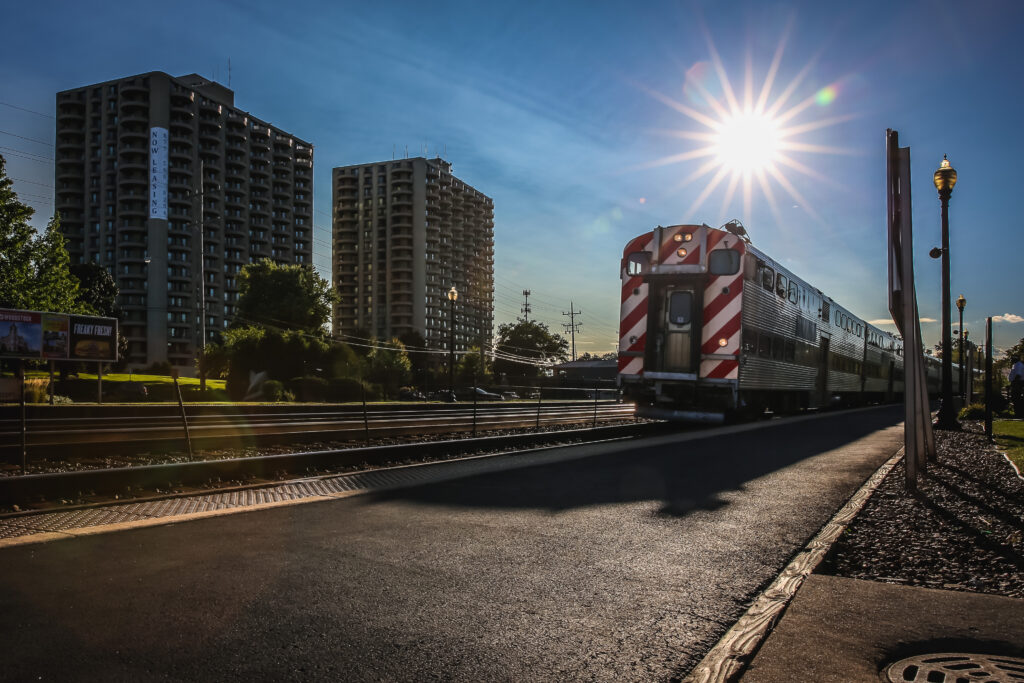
column 957, row 667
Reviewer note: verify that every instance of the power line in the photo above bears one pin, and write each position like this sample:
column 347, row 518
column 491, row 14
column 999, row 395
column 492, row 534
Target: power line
column 23, row 180
column 22, row 154
column 22, row 137
column 30, row 111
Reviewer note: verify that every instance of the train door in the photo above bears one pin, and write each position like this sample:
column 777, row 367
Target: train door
column 677, row 354
column 821, row 383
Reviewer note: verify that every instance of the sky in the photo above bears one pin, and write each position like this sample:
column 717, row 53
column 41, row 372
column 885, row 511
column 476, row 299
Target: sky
column 586, row 121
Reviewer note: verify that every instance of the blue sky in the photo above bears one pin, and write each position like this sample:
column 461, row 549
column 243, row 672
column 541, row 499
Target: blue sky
column 558, row 111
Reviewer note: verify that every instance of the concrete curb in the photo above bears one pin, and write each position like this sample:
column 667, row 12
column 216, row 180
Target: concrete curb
column 728, row 658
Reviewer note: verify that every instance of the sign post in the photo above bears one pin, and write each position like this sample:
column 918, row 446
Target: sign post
column 24, row 427
column 181, row 405
column 919, row 442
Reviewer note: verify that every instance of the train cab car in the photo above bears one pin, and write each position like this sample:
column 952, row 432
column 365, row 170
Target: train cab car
column 710, row 326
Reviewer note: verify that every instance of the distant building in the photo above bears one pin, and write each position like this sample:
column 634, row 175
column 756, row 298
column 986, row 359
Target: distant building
column 405, row 232
column 129, row 154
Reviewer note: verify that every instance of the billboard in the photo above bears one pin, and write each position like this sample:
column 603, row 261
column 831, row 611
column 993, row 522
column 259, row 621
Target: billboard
column 57, row 336
column 158, row 173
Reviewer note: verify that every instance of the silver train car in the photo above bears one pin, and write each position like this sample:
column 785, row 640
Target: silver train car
column 711, row 326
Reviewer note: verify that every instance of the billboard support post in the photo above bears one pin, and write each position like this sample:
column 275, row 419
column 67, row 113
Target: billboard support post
column 51, row 383
column 24, row 429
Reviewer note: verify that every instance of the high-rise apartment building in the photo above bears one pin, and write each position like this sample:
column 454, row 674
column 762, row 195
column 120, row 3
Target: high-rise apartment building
column 406, row 232
column 164, row 182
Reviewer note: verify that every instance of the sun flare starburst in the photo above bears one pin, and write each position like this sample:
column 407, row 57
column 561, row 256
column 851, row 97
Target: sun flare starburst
column 751, row 141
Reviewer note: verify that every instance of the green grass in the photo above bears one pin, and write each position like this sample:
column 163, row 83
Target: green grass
column 152, row 379
column 1010, row 437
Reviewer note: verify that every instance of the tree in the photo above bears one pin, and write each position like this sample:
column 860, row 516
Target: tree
column 389, row 366
column 97, row 289
column 531, row 342
column 34, row 269
column 284, row 297
column 472, row 369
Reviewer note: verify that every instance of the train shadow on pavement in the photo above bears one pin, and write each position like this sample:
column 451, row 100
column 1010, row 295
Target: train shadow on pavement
column 683, row 474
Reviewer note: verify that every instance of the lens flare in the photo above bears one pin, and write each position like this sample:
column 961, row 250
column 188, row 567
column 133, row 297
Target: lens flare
column 826, row 95
column 748, row 142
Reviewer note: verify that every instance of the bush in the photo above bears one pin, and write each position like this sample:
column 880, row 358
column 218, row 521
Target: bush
column 195, row 394
column 974, row 411
column 273, row 390
column 37, row 390
column 344, row 389
column 308, row 388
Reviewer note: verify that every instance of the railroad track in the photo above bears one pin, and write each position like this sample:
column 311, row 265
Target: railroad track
column 97, row 486
column 137, row 431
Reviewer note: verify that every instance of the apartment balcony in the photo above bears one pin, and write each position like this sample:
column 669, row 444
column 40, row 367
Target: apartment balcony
column 209, row 107
column 71, row 114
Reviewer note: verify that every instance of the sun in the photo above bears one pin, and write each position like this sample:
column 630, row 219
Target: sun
column 749, row 141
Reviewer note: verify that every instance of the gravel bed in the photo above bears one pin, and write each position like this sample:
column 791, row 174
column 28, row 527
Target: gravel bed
column 962, row 530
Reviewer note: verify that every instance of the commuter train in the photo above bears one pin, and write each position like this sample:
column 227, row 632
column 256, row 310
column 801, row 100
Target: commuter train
column 712, row 327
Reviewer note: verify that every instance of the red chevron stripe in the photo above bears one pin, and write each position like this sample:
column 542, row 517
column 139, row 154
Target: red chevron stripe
column 629, row 285
column 723, row 369
column 719, row 301
column 640, row 342
column 727, row 331
column 633, row 318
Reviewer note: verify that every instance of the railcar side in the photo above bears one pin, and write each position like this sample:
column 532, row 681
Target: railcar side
column 710, row 325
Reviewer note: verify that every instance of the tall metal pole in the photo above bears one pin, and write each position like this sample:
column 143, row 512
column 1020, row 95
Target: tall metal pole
column 960, row 355
column 451, row 343
column 945, row 178
column 202, row 281
column 988, row 378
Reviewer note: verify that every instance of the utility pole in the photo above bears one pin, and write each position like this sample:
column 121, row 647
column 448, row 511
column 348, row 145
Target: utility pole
column 572, row 326
column 525, row 310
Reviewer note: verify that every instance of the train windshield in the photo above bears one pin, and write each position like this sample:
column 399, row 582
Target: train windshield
column 680, row 307
column 724, row 262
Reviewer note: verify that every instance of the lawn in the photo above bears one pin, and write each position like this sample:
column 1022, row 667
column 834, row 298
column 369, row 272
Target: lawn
column 1009, row 434
column 153, row 379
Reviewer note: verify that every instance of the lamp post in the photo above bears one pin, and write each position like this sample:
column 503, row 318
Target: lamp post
column 944, row 179
column 961, row 302
column 967, row 367
column 453, row 294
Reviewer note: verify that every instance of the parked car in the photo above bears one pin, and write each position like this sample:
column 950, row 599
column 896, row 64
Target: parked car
column 484, row 395
column 509, row 396
column 410, row 395
column 444, row 396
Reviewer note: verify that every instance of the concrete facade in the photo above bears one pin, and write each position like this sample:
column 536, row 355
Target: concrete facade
column 134, row 158
column 405, row 232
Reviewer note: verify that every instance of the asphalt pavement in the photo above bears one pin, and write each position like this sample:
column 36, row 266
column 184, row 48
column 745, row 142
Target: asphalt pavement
column 619, row 561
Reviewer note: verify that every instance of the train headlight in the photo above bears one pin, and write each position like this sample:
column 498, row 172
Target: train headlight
column 681, row 252
column 723, row 342
column 677, row 237
column 688, row 237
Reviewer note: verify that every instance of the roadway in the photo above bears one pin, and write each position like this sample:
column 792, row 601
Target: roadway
column 609, row 562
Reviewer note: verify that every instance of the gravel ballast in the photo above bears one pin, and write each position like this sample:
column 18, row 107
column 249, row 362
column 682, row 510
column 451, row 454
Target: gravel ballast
column 962, row 530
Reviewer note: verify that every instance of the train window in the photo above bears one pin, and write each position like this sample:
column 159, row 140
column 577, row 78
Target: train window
column 724, row 262
column 764, row 345
column 780, row 285
column 778, row 348
column 750, row 268
column 825, row 310
column 749, row 342
column 635, row 262
column 768, row 278
column 792, row 292
column 680, row 308
column 790, row 355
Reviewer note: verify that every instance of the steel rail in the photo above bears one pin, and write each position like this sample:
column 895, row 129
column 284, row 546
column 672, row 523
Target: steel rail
column 126, row 435
column 21, row 489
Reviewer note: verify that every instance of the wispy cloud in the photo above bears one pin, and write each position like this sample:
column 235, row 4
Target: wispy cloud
column 1008, row 318
column 881, row 321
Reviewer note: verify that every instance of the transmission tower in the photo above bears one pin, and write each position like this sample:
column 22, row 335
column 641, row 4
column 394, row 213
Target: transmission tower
column 525, row 310
column 572, row 326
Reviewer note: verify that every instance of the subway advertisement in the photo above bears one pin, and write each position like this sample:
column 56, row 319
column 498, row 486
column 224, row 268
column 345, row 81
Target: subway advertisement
column 57, row 336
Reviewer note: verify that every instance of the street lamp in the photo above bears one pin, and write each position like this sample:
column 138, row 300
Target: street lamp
column 961, row 302
column 944, row 179
column 453, row 294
